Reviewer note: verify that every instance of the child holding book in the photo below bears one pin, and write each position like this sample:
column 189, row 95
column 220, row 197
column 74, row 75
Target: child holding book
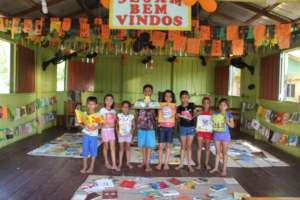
column 125, row 130
column 90, row 137
column 222, row 138
column 167, row 115
column 108, row 131
column 146, row 128
column 185, row 114
column 204, row 132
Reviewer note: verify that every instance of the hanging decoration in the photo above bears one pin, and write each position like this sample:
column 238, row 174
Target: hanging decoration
column 105, row 3
column 208, row 5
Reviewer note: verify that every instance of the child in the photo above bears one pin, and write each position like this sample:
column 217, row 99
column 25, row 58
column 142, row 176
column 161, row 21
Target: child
column 204, row 136
column 125, row 129
column 146, row 129
column 166, row 127
column 108, row 131
column 185, row 113
column 90, row 138
column 222, row 139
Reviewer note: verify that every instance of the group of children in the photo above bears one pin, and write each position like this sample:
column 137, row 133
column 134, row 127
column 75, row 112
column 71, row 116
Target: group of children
column 144, row 123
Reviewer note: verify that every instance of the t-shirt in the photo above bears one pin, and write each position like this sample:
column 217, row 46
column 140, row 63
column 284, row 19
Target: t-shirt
column 227, row 118
column 186, row 118
column 125, row 123
column 90, row 133
column 109, row 116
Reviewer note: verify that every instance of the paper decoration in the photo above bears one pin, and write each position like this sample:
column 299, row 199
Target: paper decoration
column 15, row 27
column 208, row 5
column 2, row 24
column 216, row 48
column 167, row 113
column 4, row 112
column 105, row 33
column 205, row 32
column 66, row 24
column 105, row 3
column 283, row 35
column 259, row 34
column 238, row 47
column 84, row 31
column 193, row 46
column 189, row 2
column 204, row 123
column 55, row 25
column 27, row 26
column 158, row 38
column 218, row 122
column 179, row 43
column 232, row 32
column 38, row 28
column 172, row 35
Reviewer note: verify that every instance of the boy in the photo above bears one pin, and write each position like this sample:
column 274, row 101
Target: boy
column 146, row 128
column 90, row 138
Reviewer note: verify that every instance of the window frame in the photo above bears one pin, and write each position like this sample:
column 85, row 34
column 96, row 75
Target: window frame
column 11, row 67
column 230, row 81
column 65, row 77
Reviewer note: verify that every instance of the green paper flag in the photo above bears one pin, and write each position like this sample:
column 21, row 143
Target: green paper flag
column 222, row 33
column 250, row 35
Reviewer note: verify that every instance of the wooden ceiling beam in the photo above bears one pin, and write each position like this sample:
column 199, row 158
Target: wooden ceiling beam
column 258, row 15
column 36, row 7
column 263, row 13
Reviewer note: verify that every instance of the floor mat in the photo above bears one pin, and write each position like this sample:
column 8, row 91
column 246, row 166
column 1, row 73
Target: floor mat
column 131, row 188
column 67, row 145
column 242, row 153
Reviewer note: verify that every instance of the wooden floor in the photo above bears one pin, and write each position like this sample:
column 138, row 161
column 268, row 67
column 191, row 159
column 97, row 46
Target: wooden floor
column 29, row 177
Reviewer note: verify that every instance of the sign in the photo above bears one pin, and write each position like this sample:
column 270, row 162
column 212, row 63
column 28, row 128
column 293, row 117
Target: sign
column 149, row 14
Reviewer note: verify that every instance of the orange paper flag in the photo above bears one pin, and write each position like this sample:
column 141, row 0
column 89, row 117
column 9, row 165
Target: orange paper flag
column 172, row 35
column 216, row 48
column 84, row 30
column 193, row 46
column 238, row 47
column 232, row 32
column 15, row 27
column 105, row 33
column 158, row 38
column 2, row 24
column 97, row 21
column 205, row 32
column 259, row 33
column 66, row 24
column 38, row 28
column 27, row 28
column 179, row 43
column 55, row 24
column 283, row 35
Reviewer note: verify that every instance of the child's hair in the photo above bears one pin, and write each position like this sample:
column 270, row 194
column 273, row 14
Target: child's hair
column 206, row 98
column 172, row 94
column 92, row 99
column 223, row 100
column 109, row 95
column 126, row 102
column 184, row 92
column 148, row 86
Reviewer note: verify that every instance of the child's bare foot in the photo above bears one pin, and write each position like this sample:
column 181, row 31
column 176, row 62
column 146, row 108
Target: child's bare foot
column 90, row 170
column 191, row 169
column 158, row 167
column 166, row 167
column 83, row 171
column 213, row 171
column 116, row 168
column 129, row 166
column 120, row 167
column 224, row 173
column 208, row 167
column 198, row 167
column 148, row 169
column 179, row 167
column 108, row 166
column 141, row 165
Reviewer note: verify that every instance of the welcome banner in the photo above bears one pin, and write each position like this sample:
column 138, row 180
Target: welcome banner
column 149, row 14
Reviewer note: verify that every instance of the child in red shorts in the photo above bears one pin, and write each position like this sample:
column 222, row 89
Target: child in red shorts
column 204, row 134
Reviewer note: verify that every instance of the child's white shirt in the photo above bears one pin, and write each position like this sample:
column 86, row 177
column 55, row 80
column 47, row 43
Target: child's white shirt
column 125, row 123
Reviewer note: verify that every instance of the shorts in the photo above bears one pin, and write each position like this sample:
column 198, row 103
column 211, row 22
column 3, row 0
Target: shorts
column 125, row 138
column 205, row 135
column 166, row 135
column 186, row 131
column 146, row 138
column 108, row 134
column 89, row 146
column 222, row 137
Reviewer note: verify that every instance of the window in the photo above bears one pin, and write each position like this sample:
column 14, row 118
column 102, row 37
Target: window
column 234, row 88
column 5, row 66
column 289, row 89
column 61, row 76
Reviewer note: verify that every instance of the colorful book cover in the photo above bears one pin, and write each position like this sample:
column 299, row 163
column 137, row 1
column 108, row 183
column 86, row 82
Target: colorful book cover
column 204, row 123
column 283, row 139
column 159, row 185
column 127, row 184
column 293, row 140
column 4, row 112
column 169, row 193
column 279, row 119
column 175, row 181
column 110, row 195
column 276, row 136
column 268, row 115
column 219, row 122
column 166, row 113
column 255, row 124
column 92, row 119
column 218, row 187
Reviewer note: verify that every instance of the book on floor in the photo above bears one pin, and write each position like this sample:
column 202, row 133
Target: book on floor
column 217, row 187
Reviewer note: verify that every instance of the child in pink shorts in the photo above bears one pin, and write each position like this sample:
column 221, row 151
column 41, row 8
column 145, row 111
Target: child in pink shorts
column 108, row 131
column 125, row 130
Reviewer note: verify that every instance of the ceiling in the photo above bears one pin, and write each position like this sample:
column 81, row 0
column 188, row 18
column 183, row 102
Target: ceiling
column 242, row 13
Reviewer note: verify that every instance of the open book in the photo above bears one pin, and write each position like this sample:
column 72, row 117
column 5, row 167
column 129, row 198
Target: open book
column 84, row 118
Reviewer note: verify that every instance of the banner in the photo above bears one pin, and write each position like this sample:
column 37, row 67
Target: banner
column 149, row 14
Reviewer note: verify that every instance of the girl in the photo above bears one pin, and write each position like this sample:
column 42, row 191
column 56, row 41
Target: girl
column 185, row 114
column 167, row 124
column 222, row 139
column 204, row 135
column 108, row 131
column 125, row 129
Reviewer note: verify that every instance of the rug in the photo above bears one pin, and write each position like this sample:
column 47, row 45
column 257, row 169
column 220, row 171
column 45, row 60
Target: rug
column 243, row 154
column 162, row 188
column 67, row 145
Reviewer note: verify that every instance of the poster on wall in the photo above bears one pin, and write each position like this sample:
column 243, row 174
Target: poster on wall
column 149, row 14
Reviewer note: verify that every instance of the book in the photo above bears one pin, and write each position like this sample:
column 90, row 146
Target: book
column 293, row 140
column 204, row 123
column 166, row 113
column 218, row 122
column 217, row 187
column 127, row 184
column 158, row 185
column 83, row 118
column 105, row 183
column 110, row 195
column 175, row 181
column 169, row 193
